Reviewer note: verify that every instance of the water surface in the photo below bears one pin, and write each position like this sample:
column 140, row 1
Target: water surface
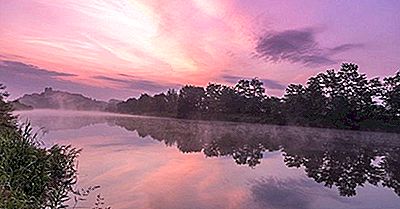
column 146, row 162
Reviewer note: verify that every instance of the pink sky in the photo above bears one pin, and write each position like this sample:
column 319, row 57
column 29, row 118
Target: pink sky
column 119, row 48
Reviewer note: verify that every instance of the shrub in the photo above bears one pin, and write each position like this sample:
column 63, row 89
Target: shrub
column 35, row 177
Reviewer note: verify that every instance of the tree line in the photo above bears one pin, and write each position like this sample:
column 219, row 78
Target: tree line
column 344, row 99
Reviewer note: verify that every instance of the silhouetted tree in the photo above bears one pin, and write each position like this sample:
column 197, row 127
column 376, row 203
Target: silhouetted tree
column 212, row 99
column 344, row 160
column 146, row 103
column 250, row 88
column 253, row 94
column 221, row 102
column 296, row 103
column 128, row 106
column 190, row 101
column 391, row 95
column 348, row 88
column 230, row 101
column 7, row 120
column 344, row 99
column 273, row 111
column 172, row 102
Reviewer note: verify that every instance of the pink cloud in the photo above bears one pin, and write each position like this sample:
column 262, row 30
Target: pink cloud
column 180, row 41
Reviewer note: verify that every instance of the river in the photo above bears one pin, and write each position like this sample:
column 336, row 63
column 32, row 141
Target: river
column 148, row 162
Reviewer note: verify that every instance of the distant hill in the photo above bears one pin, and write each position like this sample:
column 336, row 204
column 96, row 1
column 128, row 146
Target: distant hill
column 54, row 99
column 19, row 106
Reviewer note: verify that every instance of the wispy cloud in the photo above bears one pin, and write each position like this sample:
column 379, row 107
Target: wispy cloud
column 196, row 41
column 298, row 46
column 343, row 48
column 101, row 77
column 22, row 69
column 21, row 78
column 270, row 84
column 131, row 82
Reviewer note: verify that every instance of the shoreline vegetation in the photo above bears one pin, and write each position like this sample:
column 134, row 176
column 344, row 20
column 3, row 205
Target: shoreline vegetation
column 33, row 176
column 371, row 157
column 334, row 99
column 343, row 99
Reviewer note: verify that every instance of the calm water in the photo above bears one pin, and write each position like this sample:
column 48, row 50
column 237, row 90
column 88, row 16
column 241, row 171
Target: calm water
column 143, row 162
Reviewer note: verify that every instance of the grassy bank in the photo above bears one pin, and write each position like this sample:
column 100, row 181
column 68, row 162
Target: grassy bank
column 32, row 176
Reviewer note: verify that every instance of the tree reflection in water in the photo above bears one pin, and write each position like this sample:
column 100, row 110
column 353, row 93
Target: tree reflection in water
column 343, row 159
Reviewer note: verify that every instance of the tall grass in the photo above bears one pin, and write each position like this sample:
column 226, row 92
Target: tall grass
column 32, row 176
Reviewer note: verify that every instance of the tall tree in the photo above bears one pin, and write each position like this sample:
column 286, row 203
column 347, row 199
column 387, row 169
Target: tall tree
column 296, row 103
column 172, row 102
column 213, row 96
column 128, row 106
column 190, row 101
column 146, row 103
column 272, row 111
column 222, row 102
column 351, row 93
column 391, row 95
column 252, row 93
column 250, row 88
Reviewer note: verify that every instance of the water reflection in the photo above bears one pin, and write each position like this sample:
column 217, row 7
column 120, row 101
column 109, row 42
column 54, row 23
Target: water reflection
column 345, row 160
column 334, row 158
column 283, row 194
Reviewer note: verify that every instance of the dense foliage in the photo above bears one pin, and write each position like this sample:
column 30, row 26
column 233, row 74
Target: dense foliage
column 31, row 176
column 344, row 99
column 7, row 120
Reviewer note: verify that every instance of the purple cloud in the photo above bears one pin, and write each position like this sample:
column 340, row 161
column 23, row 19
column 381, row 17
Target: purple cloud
column 140, row 84
column 21, row 78
column 298, row 46
column 22, row 69
column 270, row 84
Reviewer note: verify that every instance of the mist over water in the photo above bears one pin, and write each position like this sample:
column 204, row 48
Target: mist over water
column 149, row 162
